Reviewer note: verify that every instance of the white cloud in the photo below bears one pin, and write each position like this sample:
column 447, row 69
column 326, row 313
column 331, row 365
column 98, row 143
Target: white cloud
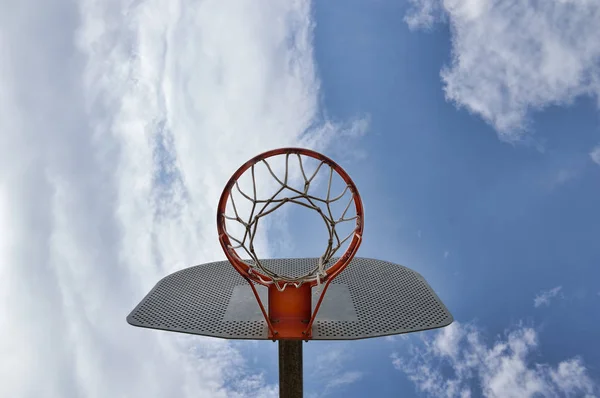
column 564, row 176
column 113, row 153
column 423, row 14
column 345, row 378
column 396, row 337
column 457, row 362
column 545, row 296
column 595, row 155
column 510, row 58
column 331, row 370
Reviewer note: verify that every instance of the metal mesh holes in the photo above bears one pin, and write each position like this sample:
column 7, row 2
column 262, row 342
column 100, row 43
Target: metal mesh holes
column 398, row 301
column 194, row 301
column 369, row 298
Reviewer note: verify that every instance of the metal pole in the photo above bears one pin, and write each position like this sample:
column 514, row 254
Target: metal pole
column 290, row 368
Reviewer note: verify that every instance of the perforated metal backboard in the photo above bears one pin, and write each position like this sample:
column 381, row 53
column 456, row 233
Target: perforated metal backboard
column 370, row 298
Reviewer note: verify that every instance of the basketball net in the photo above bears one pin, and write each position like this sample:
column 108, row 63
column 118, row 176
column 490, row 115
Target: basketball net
column 286, row 193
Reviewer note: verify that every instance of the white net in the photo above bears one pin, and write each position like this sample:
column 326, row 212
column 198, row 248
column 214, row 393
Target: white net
column 295, row 185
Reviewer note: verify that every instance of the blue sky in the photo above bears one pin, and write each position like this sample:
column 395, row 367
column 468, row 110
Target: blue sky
column 490, row 224
column 470, row 127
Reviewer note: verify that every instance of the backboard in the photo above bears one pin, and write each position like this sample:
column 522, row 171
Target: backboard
column 370, row 298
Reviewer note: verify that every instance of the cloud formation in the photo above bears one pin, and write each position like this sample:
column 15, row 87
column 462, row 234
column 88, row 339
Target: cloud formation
column 457, row 362
column 331, row 372
column 121, row 122
column 545, row 296
column 512, row 58
column 595, row 155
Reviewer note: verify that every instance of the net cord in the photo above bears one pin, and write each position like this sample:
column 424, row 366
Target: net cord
column 303, row 198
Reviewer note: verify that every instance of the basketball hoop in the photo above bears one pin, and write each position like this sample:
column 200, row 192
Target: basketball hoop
column 371, row 298
column 290, row 309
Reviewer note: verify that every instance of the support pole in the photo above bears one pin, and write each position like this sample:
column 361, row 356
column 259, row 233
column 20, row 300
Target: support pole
column 290, row 368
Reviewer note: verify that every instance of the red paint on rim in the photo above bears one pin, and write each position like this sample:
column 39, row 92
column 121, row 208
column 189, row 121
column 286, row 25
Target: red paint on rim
column 256, row 276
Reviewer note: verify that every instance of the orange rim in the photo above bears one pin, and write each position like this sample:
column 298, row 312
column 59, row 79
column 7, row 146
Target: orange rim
column 233, row 257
